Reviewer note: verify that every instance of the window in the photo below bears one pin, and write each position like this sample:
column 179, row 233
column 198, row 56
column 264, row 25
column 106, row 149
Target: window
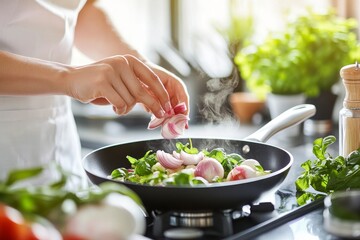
column 190, row 25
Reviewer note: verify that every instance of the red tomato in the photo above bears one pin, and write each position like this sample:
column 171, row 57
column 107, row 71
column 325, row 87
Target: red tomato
column 13, row 225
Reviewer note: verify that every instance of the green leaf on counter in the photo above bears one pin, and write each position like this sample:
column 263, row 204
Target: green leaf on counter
column 64, row 177
column 96, row 194
column 47, row 198
column 327, row 174
column 320, row 146
column 354, row 158
column 22, row 174
column 306, row 197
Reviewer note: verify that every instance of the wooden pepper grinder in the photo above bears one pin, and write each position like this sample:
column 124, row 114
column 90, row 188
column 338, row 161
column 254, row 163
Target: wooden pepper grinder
column 349, row 116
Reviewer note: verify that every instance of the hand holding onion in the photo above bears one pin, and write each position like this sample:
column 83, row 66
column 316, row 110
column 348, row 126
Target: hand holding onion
column 173, row 123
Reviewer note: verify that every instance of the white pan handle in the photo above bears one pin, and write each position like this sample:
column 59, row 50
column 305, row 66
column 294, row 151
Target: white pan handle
column 290, row 117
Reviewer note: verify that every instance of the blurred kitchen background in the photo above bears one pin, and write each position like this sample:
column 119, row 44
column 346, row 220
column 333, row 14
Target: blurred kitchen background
column 198, row 41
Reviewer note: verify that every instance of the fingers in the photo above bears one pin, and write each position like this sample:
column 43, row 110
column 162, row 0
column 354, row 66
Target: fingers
column 122, row 91
column 124, row 81
column 148, row 89
column 175, row 87
column 151, row 80
column 180, row 95
column 135, row 77
column 120, row 106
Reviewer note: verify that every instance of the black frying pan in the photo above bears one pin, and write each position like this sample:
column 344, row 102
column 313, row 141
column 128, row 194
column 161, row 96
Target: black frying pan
column 100, row 163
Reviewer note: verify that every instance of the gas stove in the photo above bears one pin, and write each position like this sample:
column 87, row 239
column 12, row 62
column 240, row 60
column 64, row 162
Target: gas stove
column 276, row 208
column 244, row 222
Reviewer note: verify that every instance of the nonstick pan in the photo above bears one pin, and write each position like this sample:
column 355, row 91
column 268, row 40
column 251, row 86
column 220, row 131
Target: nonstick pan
column 226, row 195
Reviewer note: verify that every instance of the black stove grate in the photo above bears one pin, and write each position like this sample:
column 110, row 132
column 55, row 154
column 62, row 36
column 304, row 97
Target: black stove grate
column 247, row 222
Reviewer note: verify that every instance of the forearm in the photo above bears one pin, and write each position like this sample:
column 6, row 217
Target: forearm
column 96, row 37
column 21, row 75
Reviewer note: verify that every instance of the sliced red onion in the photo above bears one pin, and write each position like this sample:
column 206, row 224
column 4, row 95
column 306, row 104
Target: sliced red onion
column 167, row 160
column 176, row 155
column 180, row 108
column 191, row 159
column 173, row 123
column 170, row 131
column 155, row 122
column 174, row 126
column 241, row 172
column 209, row 169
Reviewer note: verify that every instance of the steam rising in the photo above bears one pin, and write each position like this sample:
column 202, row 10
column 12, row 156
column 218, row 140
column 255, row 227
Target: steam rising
column 230, row 146
column 215, row 106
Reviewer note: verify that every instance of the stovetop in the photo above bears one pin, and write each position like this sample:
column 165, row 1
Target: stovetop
column 249, row 221
column 245, row 222
column 244, row 225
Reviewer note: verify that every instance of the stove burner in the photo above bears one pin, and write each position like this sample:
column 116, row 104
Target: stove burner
column 211, row 223
column 192, row 219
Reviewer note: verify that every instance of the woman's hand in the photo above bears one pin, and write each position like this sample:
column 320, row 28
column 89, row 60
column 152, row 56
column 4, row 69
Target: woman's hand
column 123, row 81
column 175, row 87
column 162, row 93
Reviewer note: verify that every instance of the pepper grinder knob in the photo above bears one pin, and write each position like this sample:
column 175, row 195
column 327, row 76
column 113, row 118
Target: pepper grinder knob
column 349, row 116
column 351, row 80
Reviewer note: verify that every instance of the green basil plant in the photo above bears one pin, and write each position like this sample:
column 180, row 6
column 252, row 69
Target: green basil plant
column 303, row 58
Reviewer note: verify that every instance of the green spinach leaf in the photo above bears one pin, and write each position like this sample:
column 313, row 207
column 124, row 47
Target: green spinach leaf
column 327, row 174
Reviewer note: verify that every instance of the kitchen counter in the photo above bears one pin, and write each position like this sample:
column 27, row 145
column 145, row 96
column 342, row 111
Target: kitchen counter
column 98, row 133
column 310, row 225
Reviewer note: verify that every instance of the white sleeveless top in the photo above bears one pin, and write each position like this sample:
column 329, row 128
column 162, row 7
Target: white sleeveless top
column 35, row 130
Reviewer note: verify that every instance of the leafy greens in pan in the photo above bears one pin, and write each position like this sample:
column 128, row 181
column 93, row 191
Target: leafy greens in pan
column 186, row 165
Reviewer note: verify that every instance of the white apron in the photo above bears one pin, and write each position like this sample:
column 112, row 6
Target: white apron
column 35, row 130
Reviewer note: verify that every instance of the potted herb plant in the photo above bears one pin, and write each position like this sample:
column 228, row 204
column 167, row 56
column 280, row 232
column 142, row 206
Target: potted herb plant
column 304, row 58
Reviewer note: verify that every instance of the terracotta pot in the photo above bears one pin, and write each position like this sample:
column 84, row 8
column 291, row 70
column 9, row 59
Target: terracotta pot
column 244, row 106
